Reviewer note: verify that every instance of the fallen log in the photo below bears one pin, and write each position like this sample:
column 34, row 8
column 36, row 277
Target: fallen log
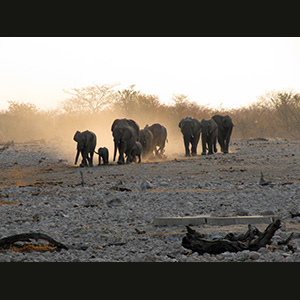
column 7, row 242
column 252, row 240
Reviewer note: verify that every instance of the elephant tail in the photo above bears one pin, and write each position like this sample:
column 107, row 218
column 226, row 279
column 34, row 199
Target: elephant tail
column 96, row 152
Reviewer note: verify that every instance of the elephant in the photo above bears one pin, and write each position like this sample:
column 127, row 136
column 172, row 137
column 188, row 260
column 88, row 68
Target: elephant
column 103, row 155
column 225, row 127
column 86, row 143
column 209, row 133
column 159, row 133
column 136, row 151
column 125, row 132
column 146, row 140
column 190, row 129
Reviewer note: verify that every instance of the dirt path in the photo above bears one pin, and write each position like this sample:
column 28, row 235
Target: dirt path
column 36, row 183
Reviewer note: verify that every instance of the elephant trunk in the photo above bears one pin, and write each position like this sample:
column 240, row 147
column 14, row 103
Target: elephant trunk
column 77, row 155
column 115, row 150
column 186, row 140
column 204, row 136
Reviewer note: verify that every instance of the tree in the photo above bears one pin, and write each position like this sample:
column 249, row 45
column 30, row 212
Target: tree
column 90, row 99
column 127, row 100
column 22, row 121
column 286, row 105
column 21, row 109
column 183, row 107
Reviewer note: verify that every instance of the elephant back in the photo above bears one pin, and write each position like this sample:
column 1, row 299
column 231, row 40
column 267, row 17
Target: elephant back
column 157, row 130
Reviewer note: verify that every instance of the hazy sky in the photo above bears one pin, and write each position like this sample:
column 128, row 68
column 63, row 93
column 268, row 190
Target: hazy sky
column 231, row 71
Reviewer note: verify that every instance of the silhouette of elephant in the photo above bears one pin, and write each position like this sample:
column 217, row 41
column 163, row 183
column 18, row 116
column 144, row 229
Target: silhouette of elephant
column 86, row 143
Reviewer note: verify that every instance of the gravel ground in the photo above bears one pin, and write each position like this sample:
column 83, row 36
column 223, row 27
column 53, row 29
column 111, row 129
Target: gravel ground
column 109, row 218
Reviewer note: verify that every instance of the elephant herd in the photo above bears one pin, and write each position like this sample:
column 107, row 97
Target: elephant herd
column 131, row 142
column 217, row 128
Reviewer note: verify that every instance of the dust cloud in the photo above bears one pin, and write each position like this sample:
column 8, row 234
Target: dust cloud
column 273, row 117
column 56, row 130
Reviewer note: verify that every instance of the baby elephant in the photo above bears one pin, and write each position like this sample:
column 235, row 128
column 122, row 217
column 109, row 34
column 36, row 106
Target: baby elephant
column 135, row 151
column 103, row 154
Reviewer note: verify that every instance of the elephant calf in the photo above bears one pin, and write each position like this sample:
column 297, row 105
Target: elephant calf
column 146, row 139
column 103, row 155
column 136, row 151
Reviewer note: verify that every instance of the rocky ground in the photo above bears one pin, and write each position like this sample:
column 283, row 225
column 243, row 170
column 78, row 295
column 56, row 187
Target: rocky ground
column 109, row 217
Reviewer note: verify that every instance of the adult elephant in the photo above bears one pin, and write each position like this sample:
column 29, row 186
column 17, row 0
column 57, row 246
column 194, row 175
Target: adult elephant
column 125, row 132
column 146, row 140
column 159, row 133
column 209, row 133
column 86, row 143
column 190, row 129
column 225, row 126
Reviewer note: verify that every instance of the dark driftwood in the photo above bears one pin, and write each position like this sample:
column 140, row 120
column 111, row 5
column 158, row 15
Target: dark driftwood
column 6, row 242
column 252, row 240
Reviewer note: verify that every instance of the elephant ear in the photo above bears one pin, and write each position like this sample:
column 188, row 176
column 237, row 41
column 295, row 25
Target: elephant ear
column 221, row 124
column 88, row 138
column 197, row 124
column 127, row 133
column 213, row 125
column 136, row 127
column 180, row 123
column 114, row 124
column 228, row 121
column 76, row 136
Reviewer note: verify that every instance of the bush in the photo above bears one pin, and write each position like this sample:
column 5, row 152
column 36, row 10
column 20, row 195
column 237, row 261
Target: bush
column 275, row 115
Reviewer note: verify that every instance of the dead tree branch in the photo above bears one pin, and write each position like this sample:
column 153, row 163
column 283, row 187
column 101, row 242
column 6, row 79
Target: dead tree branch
column 252, row 240
column 7, row 242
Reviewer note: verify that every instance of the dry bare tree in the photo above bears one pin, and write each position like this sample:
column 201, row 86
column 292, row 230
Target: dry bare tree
column 90, row 99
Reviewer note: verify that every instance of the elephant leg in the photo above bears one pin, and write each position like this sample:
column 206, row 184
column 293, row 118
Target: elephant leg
column 187, row 145
column 122, row 150
column 84, row 158
column 121, row 159
column 215, row 144
column 203, row 145
column 105, row 159
column 227, row 139
column 210, row 146
column 194, row 148
column 195, row 145
column 91, row 157
column 130, row 157
column 221, row 140
column 225, row 147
